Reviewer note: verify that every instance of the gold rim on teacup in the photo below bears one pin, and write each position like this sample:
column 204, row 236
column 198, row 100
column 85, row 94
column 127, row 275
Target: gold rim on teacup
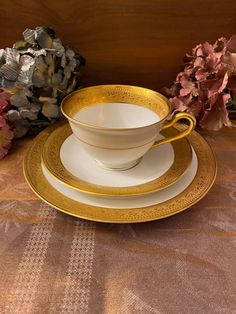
column 128, row 144
column 94, row 95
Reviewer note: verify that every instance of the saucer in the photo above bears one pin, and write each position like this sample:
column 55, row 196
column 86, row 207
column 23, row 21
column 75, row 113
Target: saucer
column 194, row 184
column 69, row 163
column 126, row 202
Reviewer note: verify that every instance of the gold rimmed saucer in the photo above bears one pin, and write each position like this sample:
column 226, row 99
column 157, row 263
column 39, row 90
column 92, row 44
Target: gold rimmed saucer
column 200, row 184
column 182, row 156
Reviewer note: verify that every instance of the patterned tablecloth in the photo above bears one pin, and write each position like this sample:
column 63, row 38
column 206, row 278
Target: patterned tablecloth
column 54, row 263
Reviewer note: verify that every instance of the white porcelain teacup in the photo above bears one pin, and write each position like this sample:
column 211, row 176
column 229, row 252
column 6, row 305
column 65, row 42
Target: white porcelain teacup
column 118, row 124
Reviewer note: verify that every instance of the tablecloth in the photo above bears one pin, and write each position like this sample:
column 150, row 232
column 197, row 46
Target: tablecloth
column 53, row 263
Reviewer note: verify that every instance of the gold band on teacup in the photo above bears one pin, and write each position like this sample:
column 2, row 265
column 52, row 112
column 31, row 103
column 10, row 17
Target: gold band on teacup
column 113, row 148
column 101, row 94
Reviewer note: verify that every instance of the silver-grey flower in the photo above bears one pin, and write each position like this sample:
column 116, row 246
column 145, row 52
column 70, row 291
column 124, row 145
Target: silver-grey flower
column 38, row 71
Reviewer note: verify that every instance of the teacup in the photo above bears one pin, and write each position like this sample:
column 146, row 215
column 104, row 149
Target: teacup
column 118, row 124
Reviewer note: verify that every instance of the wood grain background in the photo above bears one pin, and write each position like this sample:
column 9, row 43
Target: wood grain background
column 124, row 41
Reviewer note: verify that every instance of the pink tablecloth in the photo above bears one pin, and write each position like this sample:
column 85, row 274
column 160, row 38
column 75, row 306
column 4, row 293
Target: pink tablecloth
column 54, row 263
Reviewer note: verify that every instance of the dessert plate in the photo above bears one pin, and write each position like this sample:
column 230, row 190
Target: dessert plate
column 69, row 163
column 181, row 195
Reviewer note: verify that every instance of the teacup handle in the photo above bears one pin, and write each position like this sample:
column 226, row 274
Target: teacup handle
column 175, row 119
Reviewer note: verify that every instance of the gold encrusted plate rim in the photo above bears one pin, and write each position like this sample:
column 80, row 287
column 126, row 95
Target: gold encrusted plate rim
column 51, row 160
column 198, row 188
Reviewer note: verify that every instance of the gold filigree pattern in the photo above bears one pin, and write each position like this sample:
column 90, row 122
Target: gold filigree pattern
column 52, row 161
column 94, row 95
column 200, row 185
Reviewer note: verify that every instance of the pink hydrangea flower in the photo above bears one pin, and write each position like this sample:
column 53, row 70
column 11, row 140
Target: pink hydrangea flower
column 6, row 136
column 5, row 104
column 207, row 83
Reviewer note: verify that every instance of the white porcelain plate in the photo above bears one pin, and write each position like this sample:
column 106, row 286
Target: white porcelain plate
column 78, row 162
column 195, row 183
column 69, row 163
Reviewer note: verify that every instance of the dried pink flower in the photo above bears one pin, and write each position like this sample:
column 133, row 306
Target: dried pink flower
column 6, row 136
column 216, row 115
column 207, row 84
column 231, row 44
column 230, row 59
column 4, row 101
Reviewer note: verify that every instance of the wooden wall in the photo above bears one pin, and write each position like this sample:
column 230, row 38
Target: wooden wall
column 139, row 42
